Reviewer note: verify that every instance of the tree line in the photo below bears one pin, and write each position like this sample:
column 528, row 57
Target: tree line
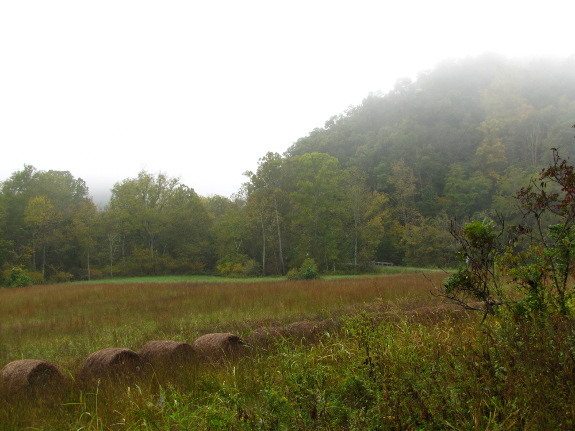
column 290, row 210
column 379, row 182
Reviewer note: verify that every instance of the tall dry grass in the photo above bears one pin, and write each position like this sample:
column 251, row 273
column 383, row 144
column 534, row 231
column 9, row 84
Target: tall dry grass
column 65, row 323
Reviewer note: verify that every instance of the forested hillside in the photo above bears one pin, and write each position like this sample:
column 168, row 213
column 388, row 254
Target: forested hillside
column 377, row 183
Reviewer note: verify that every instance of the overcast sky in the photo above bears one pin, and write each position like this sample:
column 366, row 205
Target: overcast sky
column 202, row 90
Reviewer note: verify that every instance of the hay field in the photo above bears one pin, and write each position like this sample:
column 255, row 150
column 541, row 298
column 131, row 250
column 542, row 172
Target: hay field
column 65, row 323
column 395, row 360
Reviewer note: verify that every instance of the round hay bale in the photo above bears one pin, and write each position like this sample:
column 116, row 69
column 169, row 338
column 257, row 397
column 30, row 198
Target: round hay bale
column 265, row 336
column 220, row 345
column 32, row 375
column 331, row 325
column 167, row 354
column 113, row 362
column 433, row 314
column 305, row 329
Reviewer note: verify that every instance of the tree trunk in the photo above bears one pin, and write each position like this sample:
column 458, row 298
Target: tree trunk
column 43, row 260
column 263, row 245
column 355, row 250
column 111, row 242
column 88, row 253
column 34, row 251
column 281, row 255
column 356, row 223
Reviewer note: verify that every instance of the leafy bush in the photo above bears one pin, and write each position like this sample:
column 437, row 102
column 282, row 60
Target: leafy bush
column 307, row 271
column 477, row 277
column 61, row 277
column 238, row 265
column 293, row 274
column 538, row 258
column 18, row 277
column 142, row 262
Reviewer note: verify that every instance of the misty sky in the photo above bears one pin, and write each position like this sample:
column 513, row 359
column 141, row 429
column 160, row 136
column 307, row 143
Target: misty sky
column 202, row 90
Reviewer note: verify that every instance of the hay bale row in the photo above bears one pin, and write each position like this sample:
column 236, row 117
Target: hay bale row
column 113, row 364
column 168, row 357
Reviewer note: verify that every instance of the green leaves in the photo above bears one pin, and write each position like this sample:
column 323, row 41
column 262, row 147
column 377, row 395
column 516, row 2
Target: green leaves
column 308, row 206
column 18, row 277
column 539, row 257
column 480, row 235
column 163, row 216
column 478, row 277
column 307, row 271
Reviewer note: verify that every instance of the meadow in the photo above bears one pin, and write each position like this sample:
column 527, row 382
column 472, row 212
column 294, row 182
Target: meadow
column 398, row 359
column 64, row 323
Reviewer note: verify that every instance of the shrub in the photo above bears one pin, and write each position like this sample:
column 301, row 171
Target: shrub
column 293, row 274
column 61, row 277
column 538, row 257
column 307, row 271
column 477, row 277
column 18, row 277
column 238, row 265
